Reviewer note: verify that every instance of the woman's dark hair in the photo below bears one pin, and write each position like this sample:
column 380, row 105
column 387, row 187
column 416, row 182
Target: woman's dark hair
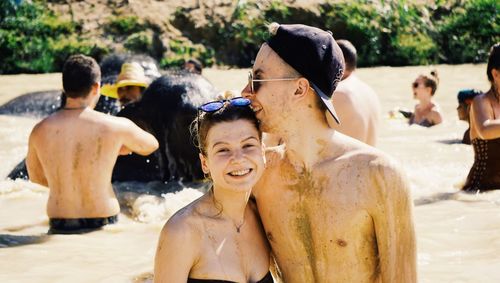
column 431, row 81
column 228, row 113
column 493, row 61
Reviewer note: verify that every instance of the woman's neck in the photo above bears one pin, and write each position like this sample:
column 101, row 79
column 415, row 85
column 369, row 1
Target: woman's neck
column 233, row 204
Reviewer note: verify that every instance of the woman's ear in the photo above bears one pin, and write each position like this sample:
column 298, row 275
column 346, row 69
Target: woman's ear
column 204, row 163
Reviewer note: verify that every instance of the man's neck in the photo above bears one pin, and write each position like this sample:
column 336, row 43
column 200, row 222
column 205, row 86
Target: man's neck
column 306, row 138
column 77, row 103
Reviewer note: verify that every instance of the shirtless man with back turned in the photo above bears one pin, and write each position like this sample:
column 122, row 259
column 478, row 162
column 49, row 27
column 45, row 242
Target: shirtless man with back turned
column 73, row 152
column 334, row 209
column 355, row 101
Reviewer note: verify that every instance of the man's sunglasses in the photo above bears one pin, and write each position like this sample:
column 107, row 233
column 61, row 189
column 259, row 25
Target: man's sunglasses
column 255, row 83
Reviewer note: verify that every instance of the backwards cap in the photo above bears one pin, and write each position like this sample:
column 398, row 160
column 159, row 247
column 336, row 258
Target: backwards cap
column 314, row 54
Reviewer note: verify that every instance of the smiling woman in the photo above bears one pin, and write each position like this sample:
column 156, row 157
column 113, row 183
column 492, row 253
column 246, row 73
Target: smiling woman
column 218, row 237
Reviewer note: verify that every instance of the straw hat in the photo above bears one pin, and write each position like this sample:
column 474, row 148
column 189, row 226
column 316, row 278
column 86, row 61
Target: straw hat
column 131, row 74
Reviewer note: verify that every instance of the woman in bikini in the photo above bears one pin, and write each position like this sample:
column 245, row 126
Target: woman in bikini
column 219, row 237
column 427, row 112
column 485, row 131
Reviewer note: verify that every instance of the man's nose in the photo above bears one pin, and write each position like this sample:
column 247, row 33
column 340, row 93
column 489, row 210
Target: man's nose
column 246, row 92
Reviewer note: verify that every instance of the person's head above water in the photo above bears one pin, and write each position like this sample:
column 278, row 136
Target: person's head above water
column 426, row 84
column 350, row 56
column 493, row 68
column 193, row 66
column 230, row 143
column 306, row 56
column 130, row 84
column 80, row 74
column 220, row 111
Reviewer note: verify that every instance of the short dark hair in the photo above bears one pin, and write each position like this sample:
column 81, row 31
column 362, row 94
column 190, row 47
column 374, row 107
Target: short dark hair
column 493, row 60
column 350, row 54
column 80, row 72
column 206, row 120
column 197, row 65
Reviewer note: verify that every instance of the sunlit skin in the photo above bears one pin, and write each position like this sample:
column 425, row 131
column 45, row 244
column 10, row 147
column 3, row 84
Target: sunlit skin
column 333, row 208
column 201, row 240
column 359, row 108
column 129, row 94
column 73, row 152
column 485, row 112
column 426, row 109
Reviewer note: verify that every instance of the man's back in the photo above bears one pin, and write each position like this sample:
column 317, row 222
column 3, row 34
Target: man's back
column 359, row 109
column 77, row 150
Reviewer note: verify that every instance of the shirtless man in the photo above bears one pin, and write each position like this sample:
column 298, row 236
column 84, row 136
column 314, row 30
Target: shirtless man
column 73, row 152
column 355, row 102
column 333, row 208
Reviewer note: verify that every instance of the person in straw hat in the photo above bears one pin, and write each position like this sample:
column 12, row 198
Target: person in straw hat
column 129, row 85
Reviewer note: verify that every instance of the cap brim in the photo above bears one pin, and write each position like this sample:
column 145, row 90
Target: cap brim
column 327, row 101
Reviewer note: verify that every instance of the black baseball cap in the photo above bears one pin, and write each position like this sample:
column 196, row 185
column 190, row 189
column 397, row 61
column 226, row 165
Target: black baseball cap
column 314, row 54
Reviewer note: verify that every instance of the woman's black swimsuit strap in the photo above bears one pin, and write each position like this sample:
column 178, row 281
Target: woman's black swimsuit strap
column 267, row 279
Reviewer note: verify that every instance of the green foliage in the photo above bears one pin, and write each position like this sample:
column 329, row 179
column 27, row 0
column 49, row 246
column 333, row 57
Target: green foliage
column 385, row 32
column 139, row 42
column 124, row 25
column 33, row 40
column 181, row 51
column 469, row 31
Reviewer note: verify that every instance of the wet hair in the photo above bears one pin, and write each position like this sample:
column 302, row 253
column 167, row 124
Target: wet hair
column 80, row 72
column 431, row 81
column 228, row 113
column 493, row 61
column 349, row 52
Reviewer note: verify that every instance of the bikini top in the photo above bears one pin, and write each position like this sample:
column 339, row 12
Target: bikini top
column 267, row 279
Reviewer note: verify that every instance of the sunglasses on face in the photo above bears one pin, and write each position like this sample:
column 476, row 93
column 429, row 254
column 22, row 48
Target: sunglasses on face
column 415, row 84
column 255, row 83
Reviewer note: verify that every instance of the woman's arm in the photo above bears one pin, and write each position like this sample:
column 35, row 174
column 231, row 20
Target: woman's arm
column 176, row 252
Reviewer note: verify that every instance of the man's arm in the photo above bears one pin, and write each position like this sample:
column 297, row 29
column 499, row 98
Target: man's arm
column 394, row 229
column 136, row 139
column 487, row 127
column 175, row 253
column 35, row 170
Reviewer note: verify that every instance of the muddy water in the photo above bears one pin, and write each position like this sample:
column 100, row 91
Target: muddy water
column 458, row 234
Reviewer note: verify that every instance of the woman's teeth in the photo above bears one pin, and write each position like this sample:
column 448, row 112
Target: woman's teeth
column 239, row 172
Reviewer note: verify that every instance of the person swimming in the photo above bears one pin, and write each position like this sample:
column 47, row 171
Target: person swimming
column 219, row 237
column 485, row 131
column 426, row 112
column 465, row 97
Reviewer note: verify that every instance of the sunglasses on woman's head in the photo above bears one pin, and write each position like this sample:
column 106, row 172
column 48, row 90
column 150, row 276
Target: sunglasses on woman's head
column 255, row 83
column 218, row 104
